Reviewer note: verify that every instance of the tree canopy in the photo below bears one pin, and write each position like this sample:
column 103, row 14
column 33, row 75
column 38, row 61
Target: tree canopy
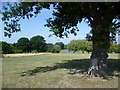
column 82, row 45
column 61, row 44
column 50, row 47
column 6, row 48
column 114, row 48
column 38, row 43
column 102, row 17
column 56, row 49
column 66, row 16
column 23, row 44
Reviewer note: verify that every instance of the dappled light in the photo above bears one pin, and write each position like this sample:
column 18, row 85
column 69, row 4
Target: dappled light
column 75, row 66
column 56, row 71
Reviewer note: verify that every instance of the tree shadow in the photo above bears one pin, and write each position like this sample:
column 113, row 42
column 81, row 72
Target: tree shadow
column 75, row 66
column 113, row 67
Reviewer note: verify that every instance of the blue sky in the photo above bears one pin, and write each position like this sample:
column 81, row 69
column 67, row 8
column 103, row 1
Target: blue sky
column 35, row 26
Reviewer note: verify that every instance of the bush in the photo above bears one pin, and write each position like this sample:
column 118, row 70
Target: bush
column 57, row 49
column 6, row 48
column 50, row 47
column 61, row 44
column 16, row 50
column 34, row 51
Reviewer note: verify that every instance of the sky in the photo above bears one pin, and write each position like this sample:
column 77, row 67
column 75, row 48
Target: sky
column 35, row 26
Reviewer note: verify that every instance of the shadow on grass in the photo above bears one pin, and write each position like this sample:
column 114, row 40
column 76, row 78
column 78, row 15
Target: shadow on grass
column 75, row 66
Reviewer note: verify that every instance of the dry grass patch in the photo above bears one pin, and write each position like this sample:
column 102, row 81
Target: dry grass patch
column 25, row 54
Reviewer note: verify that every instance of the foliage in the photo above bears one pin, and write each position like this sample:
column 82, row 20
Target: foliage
column 73, row 45
column 88, row 46
column 61, row 44
column 114, row 48
column 6, row 48
column 16, row 50
column 68, row 15
column 23, row 44
column 65, row 46
column 13, row 12
column 57, row 49
column 38, row 43
column 118, row 48
column 82, row 45
column 34, row 51
column 50, row 47
column 66, row 18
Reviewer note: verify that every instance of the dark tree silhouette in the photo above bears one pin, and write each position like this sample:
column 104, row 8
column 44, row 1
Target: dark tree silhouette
column 24, row 44
column 61, row 44
column 38, row 43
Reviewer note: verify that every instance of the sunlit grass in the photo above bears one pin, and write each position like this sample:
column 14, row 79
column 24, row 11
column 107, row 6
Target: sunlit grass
column 54, row 71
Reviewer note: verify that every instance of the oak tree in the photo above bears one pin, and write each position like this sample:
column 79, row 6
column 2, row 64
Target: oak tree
column 102, row 17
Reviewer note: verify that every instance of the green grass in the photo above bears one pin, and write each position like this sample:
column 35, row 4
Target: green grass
column 62, row 70
column 66, row 51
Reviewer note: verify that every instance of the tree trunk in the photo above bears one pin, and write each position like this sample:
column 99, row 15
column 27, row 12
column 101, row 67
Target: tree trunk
column 101, row 43
column 98, row 64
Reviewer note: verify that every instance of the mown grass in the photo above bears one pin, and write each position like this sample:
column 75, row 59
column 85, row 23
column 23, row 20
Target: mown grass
column 64, row 70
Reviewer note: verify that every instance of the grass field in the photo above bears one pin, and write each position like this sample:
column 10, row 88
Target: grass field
column 62, row 70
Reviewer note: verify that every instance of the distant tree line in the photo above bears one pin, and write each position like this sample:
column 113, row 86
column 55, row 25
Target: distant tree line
column 34, row 45
column 38, row 44
column 86, row 46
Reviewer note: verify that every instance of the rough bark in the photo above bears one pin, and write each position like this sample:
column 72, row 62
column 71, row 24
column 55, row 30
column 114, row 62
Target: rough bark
column 98, row 64
column 101, row 43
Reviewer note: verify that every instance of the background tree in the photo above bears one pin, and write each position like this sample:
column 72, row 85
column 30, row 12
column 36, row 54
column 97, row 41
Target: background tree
column 38, row 43
column 34, row 51
column 88, row 46
column 73, row 45
column 65, row 47
column 50, row 47
column 57, row 49
column 118, row 48
column 15, row 48
column 66, row 18
column 61, row 44
column 6, row 48
column 113, row 48
column 23, row 44
column 82, row 45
